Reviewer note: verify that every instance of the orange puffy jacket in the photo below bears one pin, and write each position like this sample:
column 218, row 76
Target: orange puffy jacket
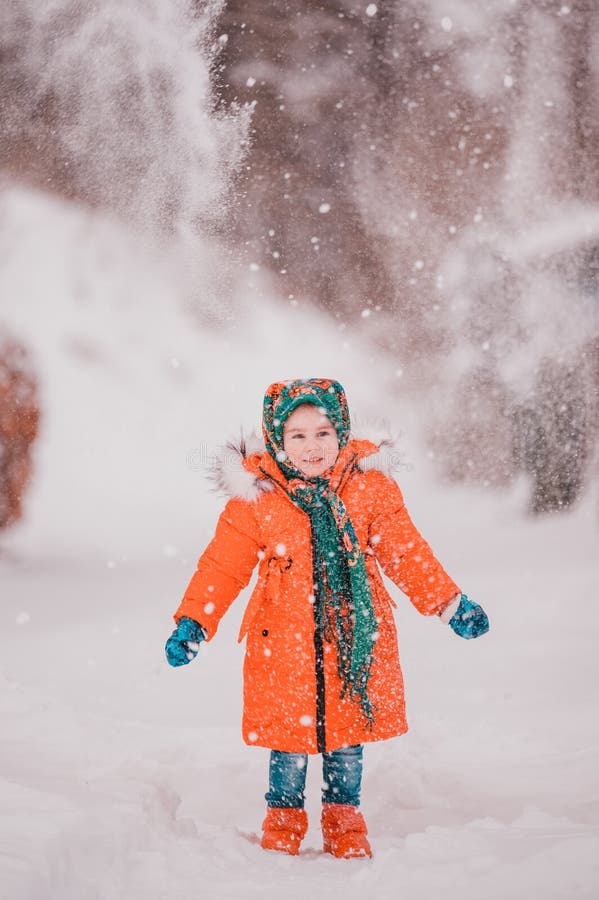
column 260, row 524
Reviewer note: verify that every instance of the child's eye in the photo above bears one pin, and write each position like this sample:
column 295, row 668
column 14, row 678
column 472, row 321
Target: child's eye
column 324, row 433
column 301, row 436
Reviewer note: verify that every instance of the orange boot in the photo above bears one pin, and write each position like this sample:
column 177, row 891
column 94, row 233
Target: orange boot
column 344, row 831
column 284, row 829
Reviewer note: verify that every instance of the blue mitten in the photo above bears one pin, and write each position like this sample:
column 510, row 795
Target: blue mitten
column 469, row 620
column 184, row 642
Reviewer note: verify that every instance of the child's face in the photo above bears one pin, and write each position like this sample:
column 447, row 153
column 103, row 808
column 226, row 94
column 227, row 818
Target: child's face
column 310, row 441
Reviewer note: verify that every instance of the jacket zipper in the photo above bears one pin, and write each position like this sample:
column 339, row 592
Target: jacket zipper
column 320, row 726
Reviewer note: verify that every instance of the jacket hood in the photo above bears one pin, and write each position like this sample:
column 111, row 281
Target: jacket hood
column 236, row 467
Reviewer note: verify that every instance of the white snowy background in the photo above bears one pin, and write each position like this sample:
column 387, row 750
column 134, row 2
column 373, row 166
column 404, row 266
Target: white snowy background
column 123, row 779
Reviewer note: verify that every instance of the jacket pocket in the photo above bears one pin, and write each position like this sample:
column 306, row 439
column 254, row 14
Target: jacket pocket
column 267, row 589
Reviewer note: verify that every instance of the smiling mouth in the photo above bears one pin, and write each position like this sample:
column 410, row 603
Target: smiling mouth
column 313, row 460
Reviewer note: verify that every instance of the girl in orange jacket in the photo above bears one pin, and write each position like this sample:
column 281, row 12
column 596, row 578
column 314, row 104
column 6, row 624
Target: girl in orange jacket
column 321, row 672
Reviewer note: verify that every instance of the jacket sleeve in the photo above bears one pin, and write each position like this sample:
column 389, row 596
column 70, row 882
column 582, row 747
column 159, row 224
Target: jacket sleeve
column 402, row 552
column 224, row 568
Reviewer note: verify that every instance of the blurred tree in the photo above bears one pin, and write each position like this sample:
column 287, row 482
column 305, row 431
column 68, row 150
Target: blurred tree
column 19, row 419
column 366, row 148
column 554, row 435
column 306, row 66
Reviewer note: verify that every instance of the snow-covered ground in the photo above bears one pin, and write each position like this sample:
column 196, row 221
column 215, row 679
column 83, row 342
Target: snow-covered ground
column 123, row 779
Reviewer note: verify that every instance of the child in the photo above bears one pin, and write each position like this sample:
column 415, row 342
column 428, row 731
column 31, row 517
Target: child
column 321, row 669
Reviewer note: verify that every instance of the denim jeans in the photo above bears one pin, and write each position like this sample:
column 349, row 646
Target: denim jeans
column 341, row 773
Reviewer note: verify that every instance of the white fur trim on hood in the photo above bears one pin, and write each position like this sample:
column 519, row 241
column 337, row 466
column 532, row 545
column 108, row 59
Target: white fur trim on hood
column 230, row 478
column 228, row 475
column 390, row 457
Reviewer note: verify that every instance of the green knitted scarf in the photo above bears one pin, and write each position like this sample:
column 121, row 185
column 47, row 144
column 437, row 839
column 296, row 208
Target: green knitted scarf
column 343, row 601
column 344, row 610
